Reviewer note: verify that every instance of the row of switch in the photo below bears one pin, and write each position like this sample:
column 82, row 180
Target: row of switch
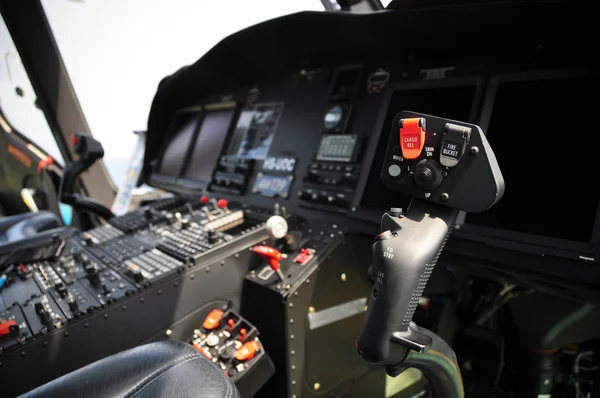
column 323, row 197
column 229, row 341
column 349, row 168
column 151, row 265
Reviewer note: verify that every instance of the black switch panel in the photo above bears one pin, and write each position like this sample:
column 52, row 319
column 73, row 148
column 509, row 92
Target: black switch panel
column 442, row 161
column 17, row 337
column 77, row 302
column 109, row 288
column 43, row 315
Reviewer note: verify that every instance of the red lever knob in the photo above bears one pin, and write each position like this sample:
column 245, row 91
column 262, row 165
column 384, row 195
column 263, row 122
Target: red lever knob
column 267, row 252
column 204, row 199
column 222, row 203
column 230, row 322
column 243, row 333
column 74, row 140
column 272, row 257
column 274, row 264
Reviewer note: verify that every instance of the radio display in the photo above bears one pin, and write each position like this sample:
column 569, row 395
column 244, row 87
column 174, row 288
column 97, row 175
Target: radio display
column 255, row 130
column 208, row 144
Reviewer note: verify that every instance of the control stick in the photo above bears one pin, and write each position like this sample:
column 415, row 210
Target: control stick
column 89, row 150
column 443, row 179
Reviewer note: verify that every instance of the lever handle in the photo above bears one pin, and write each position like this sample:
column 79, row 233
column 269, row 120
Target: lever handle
column 403, row 260
column 89, row 150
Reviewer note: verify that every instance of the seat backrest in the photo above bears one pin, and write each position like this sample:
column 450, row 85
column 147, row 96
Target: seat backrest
column 21, row 226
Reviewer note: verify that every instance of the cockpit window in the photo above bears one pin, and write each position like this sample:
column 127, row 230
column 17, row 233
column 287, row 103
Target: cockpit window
column 117, row 51
column 18, row 100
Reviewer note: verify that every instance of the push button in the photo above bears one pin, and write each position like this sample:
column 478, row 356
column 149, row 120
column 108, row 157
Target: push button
column 412, row 137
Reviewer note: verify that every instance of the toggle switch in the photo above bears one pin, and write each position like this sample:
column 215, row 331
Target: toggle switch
column 204, row 199
column 243, row 333
column 73, row 305
column 412, row 137
column 222, row 204
column 230, row 324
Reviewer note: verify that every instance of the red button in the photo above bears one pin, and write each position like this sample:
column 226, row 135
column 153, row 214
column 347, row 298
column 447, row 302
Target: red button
column 212, row 320
column 412, row 137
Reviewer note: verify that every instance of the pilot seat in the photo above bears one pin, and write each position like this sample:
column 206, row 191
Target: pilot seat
column 166, row 368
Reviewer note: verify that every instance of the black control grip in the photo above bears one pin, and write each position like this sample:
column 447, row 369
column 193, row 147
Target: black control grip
column 89, row 150
column 402, row 263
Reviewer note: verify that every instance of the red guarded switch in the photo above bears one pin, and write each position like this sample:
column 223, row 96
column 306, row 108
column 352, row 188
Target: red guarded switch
column 204, row 199
column 212, row 320
column 304, row 256
column 412, row 137
column 247, row 351
column 8, row 327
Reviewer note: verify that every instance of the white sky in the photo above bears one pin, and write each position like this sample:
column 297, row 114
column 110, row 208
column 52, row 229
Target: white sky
column 117, row 51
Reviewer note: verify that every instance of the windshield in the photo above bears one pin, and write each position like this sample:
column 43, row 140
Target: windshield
column 117, row 51
column 18, row 100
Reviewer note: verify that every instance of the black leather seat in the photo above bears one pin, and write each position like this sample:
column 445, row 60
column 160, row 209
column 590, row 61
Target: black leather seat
column 163, row 369
column 21, row 226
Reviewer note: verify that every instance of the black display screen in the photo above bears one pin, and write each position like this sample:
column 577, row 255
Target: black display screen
column 544, row 136
column 173, row 156
column 208, row 145
column 449, row 102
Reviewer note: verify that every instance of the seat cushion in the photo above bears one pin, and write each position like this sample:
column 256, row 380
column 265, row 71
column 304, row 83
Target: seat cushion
column 167, row 368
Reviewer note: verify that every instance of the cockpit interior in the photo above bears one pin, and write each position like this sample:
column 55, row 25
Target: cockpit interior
column 345, row 203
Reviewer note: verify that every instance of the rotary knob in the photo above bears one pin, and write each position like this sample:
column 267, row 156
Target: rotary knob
column 428, row 174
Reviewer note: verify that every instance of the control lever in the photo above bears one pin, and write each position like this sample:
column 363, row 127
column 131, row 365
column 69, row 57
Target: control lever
column 272, row 257
column 89, row 150
column 443, row 180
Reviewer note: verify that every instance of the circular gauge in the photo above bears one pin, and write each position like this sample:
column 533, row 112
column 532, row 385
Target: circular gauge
column 333, row 117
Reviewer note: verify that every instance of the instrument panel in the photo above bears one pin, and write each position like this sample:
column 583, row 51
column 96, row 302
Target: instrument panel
column 317, row 140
